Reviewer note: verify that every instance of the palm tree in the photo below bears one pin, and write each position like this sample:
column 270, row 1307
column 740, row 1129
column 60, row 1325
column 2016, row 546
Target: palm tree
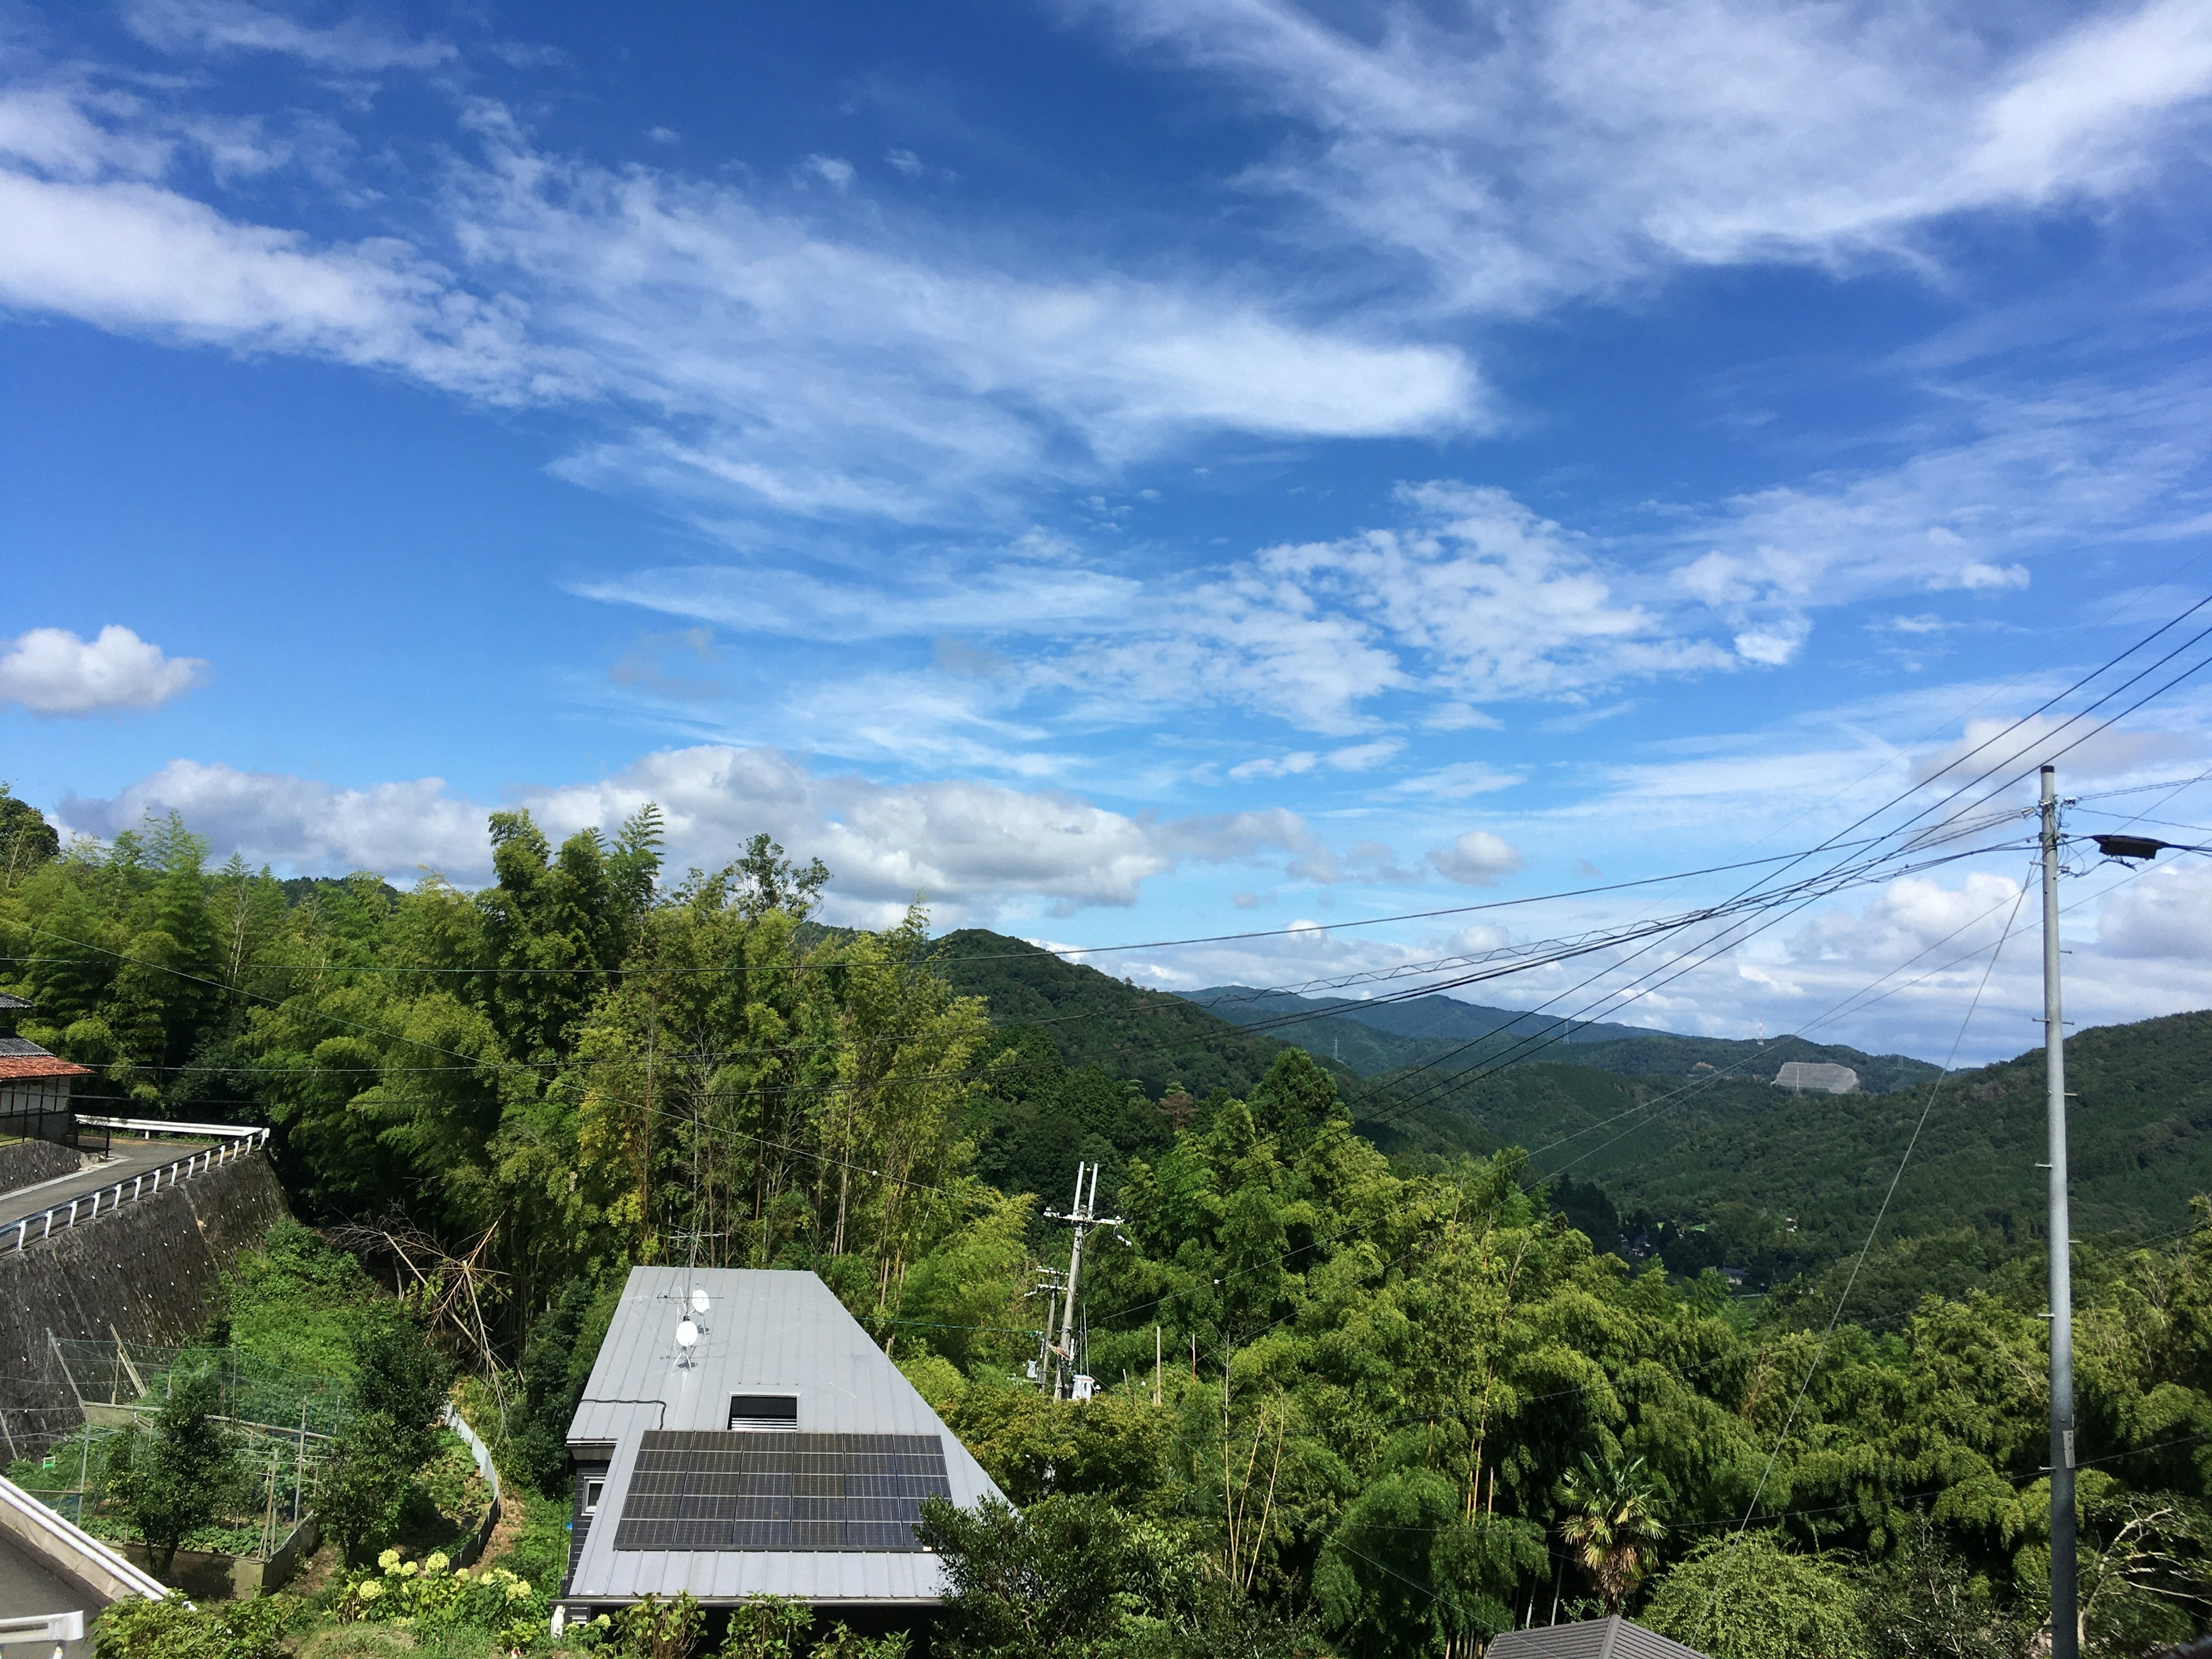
column 1610, row 1525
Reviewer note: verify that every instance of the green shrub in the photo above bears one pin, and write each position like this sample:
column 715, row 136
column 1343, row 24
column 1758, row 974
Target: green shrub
column 173, row 1628
column 431, row 1595
column 654, row 1629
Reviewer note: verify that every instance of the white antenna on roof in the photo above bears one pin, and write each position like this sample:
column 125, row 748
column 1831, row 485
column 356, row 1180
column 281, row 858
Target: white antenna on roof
column 699, row 1302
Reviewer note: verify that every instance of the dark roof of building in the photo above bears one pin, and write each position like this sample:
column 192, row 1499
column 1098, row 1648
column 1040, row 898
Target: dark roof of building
column 10, row 1003
column 1591, row 1639
column 782, row 1454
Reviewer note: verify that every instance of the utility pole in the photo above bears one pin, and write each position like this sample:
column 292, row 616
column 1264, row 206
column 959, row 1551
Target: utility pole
column 2065, row 1630
column 1083, row 1214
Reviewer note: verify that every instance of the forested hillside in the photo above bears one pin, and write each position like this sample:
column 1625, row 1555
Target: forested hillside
column 1445, row 1035
column 1394, row 1403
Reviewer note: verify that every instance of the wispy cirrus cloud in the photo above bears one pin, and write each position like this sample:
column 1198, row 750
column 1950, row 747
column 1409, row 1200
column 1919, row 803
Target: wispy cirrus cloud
column 1538, row 148
column 353, row 44
column 736, row 349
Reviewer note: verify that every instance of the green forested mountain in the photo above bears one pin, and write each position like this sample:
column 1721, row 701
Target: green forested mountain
column 2140, row 1149
column 1094, row 1019
column 1443, row 1032
column 1347, row 1404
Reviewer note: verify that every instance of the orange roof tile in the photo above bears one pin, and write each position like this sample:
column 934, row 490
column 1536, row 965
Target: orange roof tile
column 14, row 1067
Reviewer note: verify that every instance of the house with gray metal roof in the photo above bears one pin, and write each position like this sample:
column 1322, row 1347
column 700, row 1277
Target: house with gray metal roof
column 1612, row 1637
column 741, row 1435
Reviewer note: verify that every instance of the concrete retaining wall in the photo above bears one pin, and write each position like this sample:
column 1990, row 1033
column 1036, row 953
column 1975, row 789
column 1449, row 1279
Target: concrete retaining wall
column 28, row 1162
column 148, row 1271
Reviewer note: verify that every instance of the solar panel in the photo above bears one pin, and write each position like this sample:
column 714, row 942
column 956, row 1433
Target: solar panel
column 763, row 1490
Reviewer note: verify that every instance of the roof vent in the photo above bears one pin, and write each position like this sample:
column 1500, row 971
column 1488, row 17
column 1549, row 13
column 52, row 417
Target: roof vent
column 764, row 1411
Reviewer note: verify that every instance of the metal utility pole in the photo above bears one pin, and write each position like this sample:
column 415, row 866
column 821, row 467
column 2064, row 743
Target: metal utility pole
column 2065, row 1631
column 1085, row 1217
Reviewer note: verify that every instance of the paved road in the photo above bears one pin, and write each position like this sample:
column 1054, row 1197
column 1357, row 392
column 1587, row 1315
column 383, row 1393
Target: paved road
column 29, row 1588
column 127, row 1159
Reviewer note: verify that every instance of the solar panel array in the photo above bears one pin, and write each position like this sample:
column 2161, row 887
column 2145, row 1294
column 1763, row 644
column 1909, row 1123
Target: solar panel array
column 753, row 1490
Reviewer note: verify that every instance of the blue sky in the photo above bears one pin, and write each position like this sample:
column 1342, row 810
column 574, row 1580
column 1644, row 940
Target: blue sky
column 1121, row 470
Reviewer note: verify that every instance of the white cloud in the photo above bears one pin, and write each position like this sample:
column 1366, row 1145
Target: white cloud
column 904, row 160
column 1461, row 780
column 2164, row 916
column 832, row 170
column 1476, row 859
column 1282, row 766
column 130, row 256
column 1544, row 148
column 232, row 26
column 737, row 351
column 1365, row 757
column 300, row 824
column 49, row 670
column 971, row 849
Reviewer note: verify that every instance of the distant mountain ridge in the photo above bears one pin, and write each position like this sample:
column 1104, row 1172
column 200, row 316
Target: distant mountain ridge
column 1374, row 1039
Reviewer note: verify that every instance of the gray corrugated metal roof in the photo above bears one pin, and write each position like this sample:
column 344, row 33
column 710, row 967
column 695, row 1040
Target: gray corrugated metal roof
column 1590, row 1639
column 768, row 1332
column 13, row 1048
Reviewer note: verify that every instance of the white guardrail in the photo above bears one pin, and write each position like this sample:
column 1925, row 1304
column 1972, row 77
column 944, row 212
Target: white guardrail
column 61, row 1545
column 66, row 1213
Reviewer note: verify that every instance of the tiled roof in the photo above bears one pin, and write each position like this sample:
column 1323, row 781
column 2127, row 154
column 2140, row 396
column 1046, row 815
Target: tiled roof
column 14, row 1067
column 19, row 1057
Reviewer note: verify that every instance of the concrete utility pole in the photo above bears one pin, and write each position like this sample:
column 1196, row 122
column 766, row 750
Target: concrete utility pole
column 2065, row 1630
column 1085, row 1217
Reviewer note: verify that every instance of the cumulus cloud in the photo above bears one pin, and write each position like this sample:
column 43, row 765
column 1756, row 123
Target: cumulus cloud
column 2164, row 916
column 49, row 670
column 1547, row 148
column 1476, row 859
column 299, row 823
column 971, row 849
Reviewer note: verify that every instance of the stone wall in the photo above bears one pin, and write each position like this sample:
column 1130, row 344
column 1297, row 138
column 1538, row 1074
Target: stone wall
column 26, row 1163
column 147, row 1271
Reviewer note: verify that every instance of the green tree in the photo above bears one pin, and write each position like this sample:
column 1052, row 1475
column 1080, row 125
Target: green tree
column 1922, row 1601
column 1074, row 1578
column 363, row 1487
column 26, row 840
column 1611, row 1526
column 1748, row 1597
column 402, row 1378
column 174, row 1478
